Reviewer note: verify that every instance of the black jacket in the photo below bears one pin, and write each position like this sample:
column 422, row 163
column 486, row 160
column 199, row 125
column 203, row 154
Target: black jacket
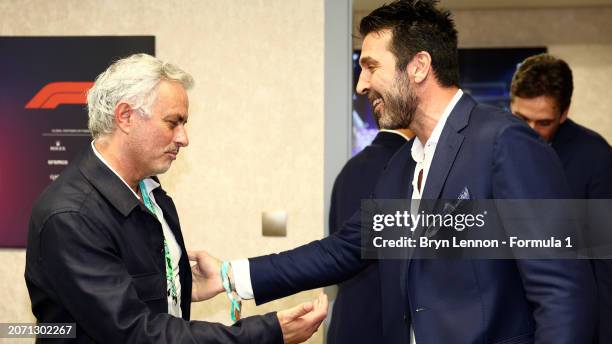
column 95, row 258
column 357, row 313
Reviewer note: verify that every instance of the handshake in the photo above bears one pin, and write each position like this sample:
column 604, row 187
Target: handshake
column 297, row 324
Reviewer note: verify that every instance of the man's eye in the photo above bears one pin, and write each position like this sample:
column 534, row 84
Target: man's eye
column 544, row 123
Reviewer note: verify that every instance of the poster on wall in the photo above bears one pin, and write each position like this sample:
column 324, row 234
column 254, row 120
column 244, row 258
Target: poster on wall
column 43, row 115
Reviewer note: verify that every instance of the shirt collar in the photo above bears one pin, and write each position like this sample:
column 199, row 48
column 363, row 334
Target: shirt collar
column 150, row 184
column 396, row 132
column 418, row 150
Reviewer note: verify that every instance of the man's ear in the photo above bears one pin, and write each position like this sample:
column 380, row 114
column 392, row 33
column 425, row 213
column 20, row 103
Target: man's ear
column 124, row 117
column 420, row 66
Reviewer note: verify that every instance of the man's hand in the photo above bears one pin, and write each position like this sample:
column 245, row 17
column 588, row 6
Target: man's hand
column 301, row 322
column 206, row 276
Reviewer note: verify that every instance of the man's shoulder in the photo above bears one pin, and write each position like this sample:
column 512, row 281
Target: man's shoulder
column 581, row 137
column 494, row 116
column 69, row 193
column 376, row 154
column 489, row 123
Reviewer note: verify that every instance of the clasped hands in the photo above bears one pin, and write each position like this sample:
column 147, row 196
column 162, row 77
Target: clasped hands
column 297, row 324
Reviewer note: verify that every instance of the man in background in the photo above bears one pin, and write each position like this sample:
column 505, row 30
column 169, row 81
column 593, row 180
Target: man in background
column 541, row 94
column 357, row 312
column 105, row 249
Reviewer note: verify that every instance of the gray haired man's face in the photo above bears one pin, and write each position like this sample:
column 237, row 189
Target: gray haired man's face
column 155, row 140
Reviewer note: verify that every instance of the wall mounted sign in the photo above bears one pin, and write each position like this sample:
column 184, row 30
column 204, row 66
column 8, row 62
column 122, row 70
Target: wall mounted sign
column 43, row 116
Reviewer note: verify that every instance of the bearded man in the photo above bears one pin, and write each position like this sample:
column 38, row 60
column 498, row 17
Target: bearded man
column 462, row 150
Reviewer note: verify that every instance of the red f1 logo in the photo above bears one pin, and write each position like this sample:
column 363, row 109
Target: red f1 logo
column 57, row 93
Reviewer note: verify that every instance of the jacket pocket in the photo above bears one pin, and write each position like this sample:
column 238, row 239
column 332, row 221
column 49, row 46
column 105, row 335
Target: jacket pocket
column 150, row 286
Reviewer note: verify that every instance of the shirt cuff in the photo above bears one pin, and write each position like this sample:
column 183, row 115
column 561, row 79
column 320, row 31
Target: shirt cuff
column 242, row 278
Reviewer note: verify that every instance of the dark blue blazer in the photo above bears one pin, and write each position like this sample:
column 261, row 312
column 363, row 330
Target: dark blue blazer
column 587, row 161
column 357, row 313
column 494, row 155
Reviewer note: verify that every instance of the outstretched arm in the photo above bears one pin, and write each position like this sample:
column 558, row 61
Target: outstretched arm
column 297, row 324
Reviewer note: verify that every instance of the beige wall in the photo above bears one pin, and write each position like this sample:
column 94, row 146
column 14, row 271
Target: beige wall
column 256, row 120
column 581, row 36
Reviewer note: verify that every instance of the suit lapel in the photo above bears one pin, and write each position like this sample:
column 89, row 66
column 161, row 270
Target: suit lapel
column 447, row 148
column 446, row 151
column 444, row 157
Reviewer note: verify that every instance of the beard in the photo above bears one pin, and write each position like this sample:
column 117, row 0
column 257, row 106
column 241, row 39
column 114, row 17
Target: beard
column 400, row 104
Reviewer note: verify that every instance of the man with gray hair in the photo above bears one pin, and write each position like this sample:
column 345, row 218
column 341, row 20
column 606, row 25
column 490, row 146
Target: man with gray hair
column 105, row 249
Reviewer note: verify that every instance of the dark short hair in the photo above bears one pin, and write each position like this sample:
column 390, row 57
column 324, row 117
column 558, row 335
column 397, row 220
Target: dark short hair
column 418, row 25
column 544, row 75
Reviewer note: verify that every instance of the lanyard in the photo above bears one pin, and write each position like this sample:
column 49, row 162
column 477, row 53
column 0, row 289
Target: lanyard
column 169, row 270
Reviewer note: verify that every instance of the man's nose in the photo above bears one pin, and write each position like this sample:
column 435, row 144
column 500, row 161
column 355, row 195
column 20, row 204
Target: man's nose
column 181, row 137
column 363, row 84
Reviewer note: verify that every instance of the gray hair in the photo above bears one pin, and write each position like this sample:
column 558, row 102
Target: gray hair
column 134, row 80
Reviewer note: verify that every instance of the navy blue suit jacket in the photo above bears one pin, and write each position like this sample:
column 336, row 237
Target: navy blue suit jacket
column 357, row 313
column 494, row 155
column 587, row 161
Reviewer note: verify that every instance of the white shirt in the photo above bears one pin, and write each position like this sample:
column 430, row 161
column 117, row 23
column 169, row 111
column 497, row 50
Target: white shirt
column 424, row 154
column 173, row 246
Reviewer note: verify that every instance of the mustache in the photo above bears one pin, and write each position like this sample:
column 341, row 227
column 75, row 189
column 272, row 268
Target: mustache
column 174, row 150
column 373, row 95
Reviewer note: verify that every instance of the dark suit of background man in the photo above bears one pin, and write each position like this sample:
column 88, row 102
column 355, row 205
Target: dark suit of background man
column 462, row 150
column 541, row 94
column 357, row 314
column 104, row 256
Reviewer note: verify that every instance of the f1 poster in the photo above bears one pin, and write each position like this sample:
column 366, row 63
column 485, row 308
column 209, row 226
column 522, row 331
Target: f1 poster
column 43, row 114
